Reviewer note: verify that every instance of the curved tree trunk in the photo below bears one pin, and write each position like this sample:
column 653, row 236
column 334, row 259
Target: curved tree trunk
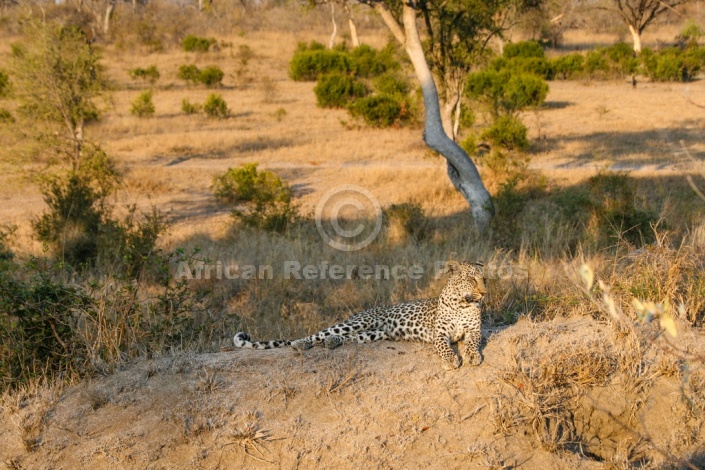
column 351, row 22
column 461, row 170
column 331, row 41
column 636, row 37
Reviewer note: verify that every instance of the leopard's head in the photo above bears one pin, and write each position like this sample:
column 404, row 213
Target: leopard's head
column 466, row 282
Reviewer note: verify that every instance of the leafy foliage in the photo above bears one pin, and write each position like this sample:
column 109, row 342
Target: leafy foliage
column 307, row 65
column 382, row 110
column 192, row 43
column 190, row 108
column 211, row 76
column 150, row 74
column 258, row 198
column 509, row 132
column 337, row 91
column 190, row 73
column 57, row 77
column 674, row 64
column 216, row 107
column 143, row 106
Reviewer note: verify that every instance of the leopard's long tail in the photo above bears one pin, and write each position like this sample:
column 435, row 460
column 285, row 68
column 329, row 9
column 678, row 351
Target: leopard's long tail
column 243, row 341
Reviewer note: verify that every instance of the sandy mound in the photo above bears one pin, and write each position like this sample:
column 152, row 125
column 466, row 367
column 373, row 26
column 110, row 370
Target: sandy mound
column 548, row 395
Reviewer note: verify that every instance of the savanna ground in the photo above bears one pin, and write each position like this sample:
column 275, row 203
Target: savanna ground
column 575, row 376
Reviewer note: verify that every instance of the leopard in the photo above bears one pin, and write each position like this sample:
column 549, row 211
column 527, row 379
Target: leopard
column 453, row 316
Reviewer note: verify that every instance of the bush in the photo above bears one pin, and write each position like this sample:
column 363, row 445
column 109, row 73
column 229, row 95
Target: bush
column 190, row 108
column 525, row 49
column 216, row 107
column 596, row 64
column 38, row 327
column 258, row 198
column 143, row 106
column 508, row 132
column 307, row 65
column 569, row 66
column 72, row 224
column 150, row 74
column 337, row 91
column 211, row 76
column 193, row 43
column 673, row 64
column 382, row 110
column 505, row 91
column 190, row 73
column 524, row 91
column 691, row 34
column 392, row 83
column 369, row 62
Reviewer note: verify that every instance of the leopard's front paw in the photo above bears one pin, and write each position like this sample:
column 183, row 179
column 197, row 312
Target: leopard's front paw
column 473, row 358
column 451, row 363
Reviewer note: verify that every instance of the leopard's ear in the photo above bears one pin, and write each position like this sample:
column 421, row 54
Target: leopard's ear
column 452, row 265
column 478, row 263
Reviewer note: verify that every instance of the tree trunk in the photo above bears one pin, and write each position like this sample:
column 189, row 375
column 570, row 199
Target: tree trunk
column 331, row 41
column 353, row 27
column 461, row 170
column 108, row 14
column 636, row 37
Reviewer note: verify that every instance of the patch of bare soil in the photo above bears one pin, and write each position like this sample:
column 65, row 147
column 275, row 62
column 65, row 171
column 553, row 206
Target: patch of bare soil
column 548, row 395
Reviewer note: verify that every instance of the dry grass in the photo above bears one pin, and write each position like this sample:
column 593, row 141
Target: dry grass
column 581, row 384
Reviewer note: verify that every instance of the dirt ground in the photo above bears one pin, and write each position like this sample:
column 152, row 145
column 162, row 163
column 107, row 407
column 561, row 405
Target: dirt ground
column 382, row 405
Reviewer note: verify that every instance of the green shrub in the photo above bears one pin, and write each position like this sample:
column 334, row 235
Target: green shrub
column 211, row 76
column 38, row 327
column 190, row 73
column 382, row 110
column 488, row 86
column 673, row 64
column 392, row 83
column 72, row 224
column 130, row 246
column 143, row 106
column 216, row 107
column 691, row 34
column 508, row 132
column 596, row 64
column 524, row 91
column 523, row 49
column 307, row 65
column 190, row 108
column 150, row 74
column 569, row 66
column 193, row 43
column 369, row 62
column 258, row 198
column 469, row 144
column 506, row 92
column 311, row 46
column 337, row 91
